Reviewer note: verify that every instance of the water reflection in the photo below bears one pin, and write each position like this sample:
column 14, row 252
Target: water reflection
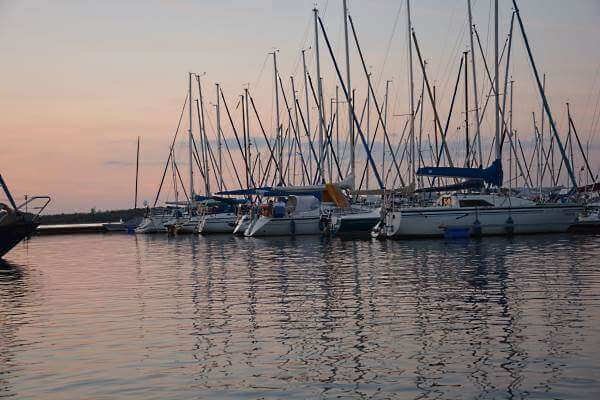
column 13, row 290
column 222, row 317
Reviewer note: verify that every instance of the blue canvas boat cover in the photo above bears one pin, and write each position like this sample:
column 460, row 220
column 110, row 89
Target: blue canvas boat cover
column 491, row 175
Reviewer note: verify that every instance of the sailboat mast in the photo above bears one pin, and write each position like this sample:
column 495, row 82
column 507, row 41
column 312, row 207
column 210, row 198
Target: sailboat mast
column 137, row 169
column 320, row 93
column 368, row 130
column 412, row 97
column 385, row 115
column 310, row 170
column 204, row 142
column 248, row 137
column 349, row 86
column 190, row 137
column 219, row 144
column 475, row 94
column 496, row 85
column 297, row 141
column 245, row 143
column 544, row 99
column 467, row 139
column 278, row 128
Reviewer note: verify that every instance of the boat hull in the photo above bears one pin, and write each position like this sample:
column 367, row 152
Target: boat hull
column 356, row 224
column 217, row 223
column 242, row 224
column 151, row 225
column 436, row 221
column 268, row 226
column 189, row 226
column 11, row 234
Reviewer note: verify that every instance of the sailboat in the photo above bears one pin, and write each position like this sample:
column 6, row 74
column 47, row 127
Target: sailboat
column 217, row 215
column 135, row 221
column 472, row 210
column 295, row 214
column 16, row 224
column 479, row 214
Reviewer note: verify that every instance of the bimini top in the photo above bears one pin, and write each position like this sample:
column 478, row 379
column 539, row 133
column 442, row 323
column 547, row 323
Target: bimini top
column 268, row 191
column 284, row 191
column 218, row 199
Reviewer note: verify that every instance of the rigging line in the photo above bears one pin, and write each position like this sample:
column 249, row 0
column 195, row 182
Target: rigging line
column 260, row 72
column 389, row 45
column 236, row 134
column 302, row 45
column 592, row 92
column 347, row 95
column 181, row 181
column 595, row 119
column 444, row 77
column 232, row 163
column 346, row 142
column 267, row 141
column 289, row 112
column 386, row 139
column 171, row 150
column 402, row 136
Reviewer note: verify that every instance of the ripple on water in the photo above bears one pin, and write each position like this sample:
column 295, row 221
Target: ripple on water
column 105, row 316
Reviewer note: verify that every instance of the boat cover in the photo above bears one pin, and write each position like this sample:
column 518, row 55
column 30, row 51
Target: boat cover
column 491, row 175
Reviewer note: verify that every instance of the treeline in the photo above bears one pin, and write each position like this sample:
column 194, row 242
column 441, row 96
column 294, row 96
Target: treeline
column 92, row 217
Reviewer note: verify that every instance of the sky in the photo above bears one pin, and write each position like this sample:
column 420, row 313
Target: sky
column 80, row 81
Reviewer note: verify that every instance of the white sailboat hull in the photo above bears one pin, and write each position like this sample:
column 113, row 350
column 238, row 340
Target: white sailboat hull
column 217, row 223
column 190, row 225
column 242, row 224
column 151, row 225
column 435, row 221
column 269, row 226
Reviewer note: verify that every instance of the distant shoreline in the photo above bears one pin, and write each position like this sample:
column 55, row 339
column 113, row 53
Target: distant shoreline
column 92, row 217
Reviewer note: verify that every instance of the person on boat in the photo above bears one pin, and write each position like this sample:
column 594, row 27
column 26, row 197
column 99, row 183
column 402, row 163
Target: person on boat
column 279, row 208
column 267, row 209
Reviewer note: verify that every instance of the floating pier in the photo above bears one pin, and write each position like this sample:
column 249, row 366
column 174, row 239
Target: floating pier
column 66, row 229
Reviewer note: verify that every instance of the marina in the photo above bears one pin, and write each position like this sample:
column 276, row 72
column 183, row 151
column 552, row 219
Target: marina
column 336, row 199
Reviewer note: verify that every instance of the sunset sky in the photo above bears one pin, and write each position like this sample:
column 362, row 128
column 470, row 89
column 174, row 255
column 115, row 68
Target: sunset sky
column 81, row 80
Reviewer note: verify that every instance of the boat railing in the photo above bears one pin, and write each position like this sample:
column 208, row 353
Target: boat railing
column 25, row 206
column 339, row 211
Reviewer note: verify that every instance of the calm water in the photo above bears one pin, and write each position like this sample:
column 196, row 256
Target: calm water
column 151, row 317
